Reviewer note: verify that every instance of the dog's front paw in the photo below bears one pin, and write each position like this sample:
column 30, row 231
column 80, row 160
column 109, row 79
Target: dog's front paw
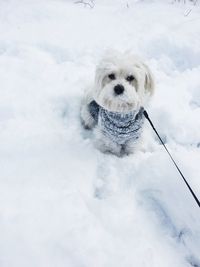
column 129, row 148
column 105, row 145
column 87, row 120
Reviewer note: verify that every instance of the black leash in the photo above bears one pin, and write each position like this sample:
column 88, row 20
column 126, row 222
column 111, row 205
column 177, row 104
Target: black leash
column 184, row 179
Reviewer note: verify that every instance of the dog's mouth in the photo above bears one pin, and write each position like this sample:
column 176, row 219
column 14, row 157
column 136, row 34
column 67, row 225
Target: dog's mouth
column 119, row 106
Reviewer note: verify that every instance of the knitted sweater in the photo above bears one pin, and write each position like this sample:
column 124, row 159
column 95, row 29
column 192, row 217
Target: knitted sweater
column 119, row 127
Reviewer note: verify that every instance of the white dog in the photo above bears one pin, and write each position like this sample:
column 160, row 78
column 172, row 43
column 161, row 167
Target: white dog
column 114, row 105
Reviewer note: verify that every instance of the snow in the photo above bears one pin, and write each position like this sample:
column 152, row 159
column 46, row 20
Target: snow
column 64, row 203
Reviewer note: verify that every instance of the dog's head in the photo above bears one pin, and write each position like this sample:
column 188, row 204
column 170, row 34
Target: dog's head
column 123, row 83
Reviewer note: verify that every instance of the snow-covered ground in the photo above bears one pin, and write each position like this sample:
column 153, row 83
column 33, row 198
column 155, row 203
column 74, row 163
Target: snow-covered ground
column 62, row 202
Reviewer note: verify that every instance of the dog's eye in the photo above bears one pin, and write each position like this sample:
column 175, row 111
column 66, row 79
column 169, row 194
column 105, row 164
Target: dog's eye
column 111, row 76
column 130, row 78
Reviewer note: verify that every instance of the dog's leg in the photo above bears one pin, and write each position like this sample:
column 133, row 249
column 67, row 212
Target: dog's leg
column 131, row 147
column 139, row 144
column 106, row 145
column 86, row 118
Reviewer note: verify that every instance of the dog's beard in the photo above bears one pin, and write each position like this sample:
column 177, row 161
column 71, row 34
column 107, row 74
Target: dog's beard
column 126, row 102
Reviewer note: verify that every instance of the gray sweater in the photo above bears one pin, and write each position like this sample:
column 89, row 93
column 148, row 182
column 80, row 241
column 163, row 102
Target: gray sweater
column 119, row 127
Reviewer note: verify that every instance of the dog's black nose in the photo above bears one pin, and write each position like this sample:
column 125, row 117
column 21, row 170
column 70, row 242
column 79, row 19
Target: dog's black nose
column 119, row 89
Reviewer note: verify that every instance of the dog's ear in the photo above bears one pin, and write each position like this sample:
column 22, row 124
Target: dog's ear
column 149, row 80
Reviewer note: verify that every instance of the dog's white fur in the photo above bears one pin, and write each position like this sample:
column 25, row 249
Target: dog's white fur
column 136, row 93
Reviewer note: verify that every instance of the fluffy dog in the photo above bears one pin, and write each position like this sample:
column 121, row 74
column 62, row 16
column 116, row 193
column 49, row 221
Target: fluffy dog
column 114, row 105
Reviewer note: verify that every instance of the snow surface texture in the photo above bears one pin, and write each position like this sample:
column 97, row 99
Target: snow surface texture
column 64, row 203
